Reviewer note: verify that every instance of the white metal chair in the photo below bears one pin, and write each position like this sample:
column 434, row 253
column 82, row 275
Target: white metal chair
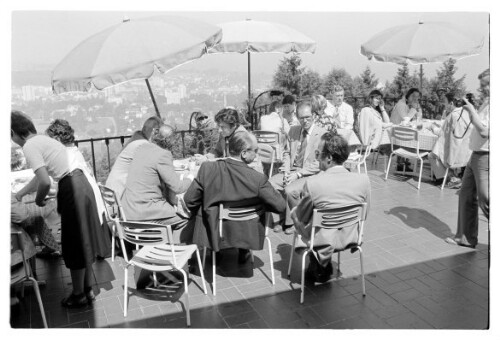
column 273, row 139
column 349, row 216
column 158, row 254
column 228, row 213
column 24, row 272
column 405, row 134
column 359, row 158
column 266, row 154
column 114, row 212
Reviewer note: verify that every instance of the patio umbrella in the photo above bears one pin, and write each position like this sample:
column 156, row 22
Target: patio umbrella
column 131, row 50
column 421, row 43
column 252, row 36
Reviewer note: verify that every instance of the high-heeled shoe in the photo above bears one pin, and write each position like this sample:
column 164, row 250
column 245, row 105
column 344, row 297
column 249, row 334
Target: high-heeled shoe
column 75, row 301
column 89, row 294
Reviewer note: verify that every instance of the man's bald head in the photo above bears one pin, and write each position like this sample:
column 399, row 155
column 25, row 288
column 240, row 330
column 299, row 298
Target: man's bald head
column 243, row 145
column 163, row 136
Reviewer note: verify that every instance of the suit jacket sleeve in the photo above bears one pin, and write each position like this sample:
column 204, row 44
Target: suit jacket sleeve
column 305, row 208
column 273, row 200
column 194, row 194
column 167, row 173
column 310, row 168
column 350, row 118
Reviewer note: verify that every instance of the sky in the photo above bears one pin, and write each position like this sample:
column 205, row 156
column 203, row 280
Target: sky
column 45, row 37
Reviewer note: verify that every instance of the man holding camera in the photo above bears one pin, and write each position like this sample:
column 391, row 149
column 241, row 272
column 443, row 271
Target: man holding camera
column 475, row 181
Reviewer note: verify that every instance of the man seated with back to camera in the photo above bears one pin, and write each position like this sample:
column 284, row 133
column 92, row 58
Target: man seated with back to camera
column 299, row 161
column 232, row 180
column 333, row 187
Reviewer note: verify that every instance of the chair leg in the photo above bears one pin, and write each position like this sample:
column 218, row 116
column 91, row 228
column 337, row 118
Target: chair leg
column 303, row 276
column 186, row 292
column 270, row 259
column 125, row 292
column 444, row 179
column 420, row 174
column 366, row 167
column 388, row 167
column 291, row 253
column 251, row 256
column 113, row 243
column 359, row 167
column 39, row 299
column 338, row 262
column 204, row 256
column 362, row 270
column 201, row 270
column 213, row 272
column 155, row 280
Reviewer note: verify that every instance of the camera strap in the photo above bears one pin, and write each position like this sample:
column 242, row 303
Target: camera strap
column 455, row 125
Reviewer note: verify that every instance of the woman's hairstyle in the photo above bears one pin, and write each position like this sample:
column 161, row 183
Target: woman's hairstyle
column 318, row 103
column 289, row 99
column 21, row 124
column 17, row 160
column 411, row 91
column 229, row 116
column 336, row 147
column 274, row 106
column 450, row 97
column 375, row 93
column 151, row 123
column 60, row 130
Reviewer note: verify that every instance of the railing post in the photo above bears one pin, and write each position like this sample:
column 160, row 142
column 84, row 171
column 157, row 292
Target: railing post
column 106, row 140
column 122, row 140
column 93, row 157
column 183, row 146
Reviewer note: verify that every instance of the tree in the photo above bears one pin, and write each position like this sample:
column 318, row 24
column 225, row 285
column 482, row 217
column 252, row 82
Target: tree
column 403, row 81
column 338, row 76
column 364, row 83
column 310, row 83
column 445, row 78
column 288, row 74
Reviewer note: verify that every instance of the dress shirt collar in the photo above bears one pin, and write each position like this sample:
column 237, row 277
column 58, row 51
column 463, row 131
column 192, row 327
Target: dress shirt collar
column 336, row 169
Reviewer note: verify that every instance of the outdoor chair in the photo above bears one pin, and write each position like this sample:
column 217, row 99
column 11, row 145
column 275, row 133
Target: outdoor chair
column 405, row 134
column 273, row 139
column 359, row 158
column 228, row 213
column 114, row 212
column 158, row 254
column 266, row 154
column 22, row 272
column 349, row 216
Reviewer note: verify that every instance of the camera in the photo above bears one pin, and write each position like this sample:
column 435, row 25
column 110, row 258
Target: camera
column 461, row 102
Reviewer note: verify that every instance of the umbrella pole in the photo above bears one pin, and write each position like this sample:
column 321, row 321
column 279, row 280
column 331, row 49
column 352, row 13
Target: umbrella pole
column 250, row 113
column 421, row 77
column 152, row 98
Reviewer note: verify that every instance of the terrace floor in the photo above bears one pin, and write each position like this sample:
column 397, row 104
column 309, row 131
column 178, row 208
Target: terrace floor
column 414, row 280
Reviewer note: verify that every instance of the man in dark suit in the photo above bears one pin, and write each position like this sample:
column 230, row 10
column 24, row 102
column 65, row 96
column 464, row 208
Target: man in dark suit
column 231, row 180
column 335, row 186
column 300, row 162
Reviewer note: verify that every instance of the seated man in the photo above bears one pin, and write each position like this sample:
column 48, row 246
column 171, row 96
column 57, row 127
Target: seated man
column 342, row 112
column 118, row 175
column 152, row 184
column 299, row 162
column 230, row 180
column 334, row 187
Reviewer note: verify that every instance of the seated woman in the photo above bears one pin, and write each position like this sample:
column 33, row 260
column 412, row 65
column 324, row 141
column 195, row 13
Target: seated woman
column 372, row 119
column 273, row 119
column 407, row 107
column 323, row 113
column 205, row 134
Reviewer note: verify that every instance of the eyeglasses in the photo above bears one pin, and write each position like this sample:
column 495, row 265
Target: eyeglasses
column 199, row 119
column 306, row 118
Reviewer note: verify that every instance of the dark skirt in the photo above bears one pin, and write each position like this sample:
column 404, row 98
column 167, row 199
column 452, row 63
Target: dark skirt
column 82, row 236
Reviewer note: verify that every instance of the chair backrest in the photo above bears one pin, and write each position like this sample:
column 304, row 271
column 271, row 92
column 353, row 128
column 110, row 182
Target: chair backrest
column 112, row 203
column 340, row 217
column 267, row 137
column 146, row 234
column 404, row 134
column 234, row 211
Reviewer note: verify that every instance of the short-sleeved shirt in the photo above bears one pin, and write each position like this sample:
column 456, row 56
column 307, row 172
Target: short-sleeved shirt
column 478, row 143
column 44, row 151
column 273, row 122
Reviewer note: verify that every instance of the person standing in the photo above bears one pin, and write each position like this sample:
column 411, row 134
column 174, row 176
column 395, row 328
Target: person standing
column 475, row 181
column 75, row 203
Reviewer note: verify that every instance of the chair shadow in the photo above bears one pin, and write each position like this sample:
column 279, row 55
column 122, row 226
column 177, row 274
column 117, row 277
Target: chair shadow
column 420, row 218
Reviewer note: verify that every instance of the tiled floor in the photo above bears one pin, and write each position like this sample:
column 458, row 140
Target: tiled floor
column 413, row 279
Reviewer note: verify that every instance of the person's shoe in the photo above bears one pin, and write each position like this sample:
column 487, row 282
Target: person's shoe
column 47, row 253
column 289, row 230
column 75, row 301
column 277, row 228
column 458, row 242
column 243, row 255
column 89, row 293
